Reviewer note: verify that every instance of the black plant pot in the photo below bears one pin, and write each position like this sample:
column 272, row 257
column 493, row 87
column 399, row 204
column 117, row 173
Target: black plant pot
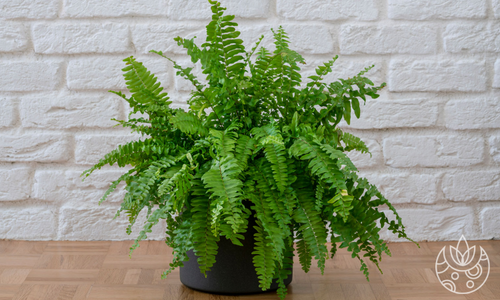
column 233, row 271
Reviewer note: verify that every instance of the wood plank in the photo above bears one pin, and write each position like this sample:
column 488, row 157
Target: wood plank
column 103, row 270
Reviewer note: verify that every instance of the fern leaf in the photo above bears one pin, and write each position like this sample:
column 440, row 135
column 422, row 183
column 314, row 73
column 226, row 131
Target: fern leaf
column 188, row 123
column 264, row 257
column 225, row 189
column 204, row 242
column 311, row 225
column 320, row 162
column 244, row 149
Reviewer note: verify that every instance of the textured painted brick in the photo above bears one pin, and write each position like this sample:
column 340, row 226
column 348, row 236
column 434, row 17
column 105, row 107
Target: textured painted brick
column 403, row 39
column 477, row 38
column 95, row 73
column 35, row 147
column 80, row 38
column 496, row 8
column 433, row 151
column 106, row 73
column 96, row 223
column 490, row 221
column 310, row 39
column 113, row 8
column 15, row 184
column 472, row 185
column 6, row 113
column 67, row 111
column 161, row 37
column 472, row 114
column 496, row 78
column 91, row 148
column 30, row 223
column 365, row 10
column 494, row 142
column 196, row 10
column 435, row 224
column 29, row 76
column 364, row 160
column 67, row 186
column 396, row 114
column 13, row 37
column 437, row 75
column 405, row 188
column 31, row 9
column 436, row 9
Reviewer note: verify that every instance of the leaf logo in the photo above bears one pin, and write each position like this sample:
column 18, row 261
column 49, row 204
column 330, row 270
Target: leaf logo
column 456, row 275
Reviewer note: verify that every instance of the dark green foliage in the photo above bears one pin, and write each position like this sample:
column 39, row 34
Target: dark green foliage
column 252, row 135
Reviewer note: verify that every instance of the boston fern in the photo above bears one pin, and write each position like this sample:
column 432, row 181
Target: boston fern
column 253, row 136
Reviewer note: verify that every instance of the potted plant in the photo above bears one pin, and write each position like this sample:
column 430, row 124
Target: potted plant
column 257, row 159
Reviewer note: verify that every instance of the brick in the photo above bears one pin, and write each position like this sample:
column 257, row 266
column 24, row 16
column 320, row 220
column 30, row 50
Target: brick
column 194, row 10
column 309, row 39
column 434, row 224
column 436, row 9
column 477, row 38
column 67, row 186
column 91, row 148
column 35, row 148
column 96, row 223
column 496, row 78
column 15, row 184
column 472, row 114
column 80, row 38
column 433, row 151
column 399, row 39
column 490, row 218
column 496, row 8
column 95, row 73
column 363, row 10
column 13, row 37
column 6, row 113
column 29, row 223
column 114, row 8
column 364, row 160
column 29, row 76
column 405, row 188
column 437, row 75
column 494, row 142
column 396, row 114
column 161, row 37
column 472, row 185
column 30, row 9
column 52, row 111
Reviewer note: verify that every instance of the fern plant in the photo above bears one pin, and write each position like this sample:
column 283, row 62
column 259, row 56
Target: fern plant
column 253, row 134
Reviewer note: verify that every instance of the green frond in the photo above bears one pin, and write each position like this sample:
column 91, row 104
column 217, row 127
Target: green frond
column 354, row 143
column 305, row 255
column 244, row 149
column 204, row 241
column 320, row 162
column 142, row 84
column 263, row 257
column 188, row 123
column 311, row 227
column 264, row 178
column 225, row 191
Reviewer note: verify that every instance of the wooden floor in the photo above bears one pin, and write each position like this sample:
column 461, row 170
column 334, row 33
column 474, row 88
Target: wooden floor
column 103, row 270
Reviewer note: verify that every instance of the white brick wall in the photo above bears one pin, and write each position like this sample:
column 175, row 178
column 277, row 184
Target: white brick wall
column 434, row 133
